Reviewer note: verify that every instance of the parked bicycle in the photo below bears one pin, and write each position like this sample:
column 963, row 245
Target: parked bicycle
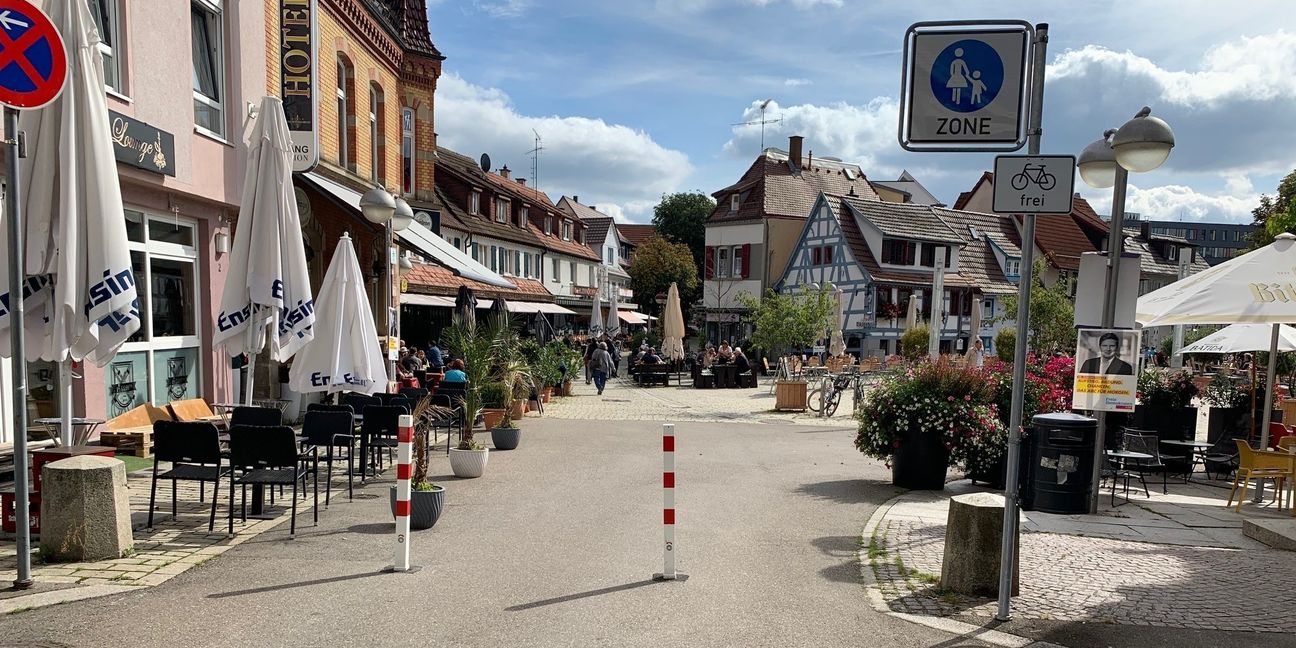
column 831, row 398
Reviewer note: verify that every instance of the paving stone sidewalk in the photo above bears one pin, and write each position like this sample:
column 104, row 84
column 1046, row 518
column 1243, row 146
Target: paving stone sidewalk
column 1139, row 564
column 623, row 400
column 172, row 547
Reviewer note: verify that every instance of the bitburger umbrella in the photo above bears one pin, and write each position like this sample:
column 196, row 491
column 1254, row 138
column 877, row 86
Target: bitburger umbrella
column 267, row 282
column 344, row 353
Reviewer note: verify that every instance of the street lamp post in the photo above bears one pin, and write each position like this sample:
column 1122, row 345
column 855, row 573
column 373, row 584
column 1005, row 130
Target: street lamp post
column 1140, row 145
column 382, row 208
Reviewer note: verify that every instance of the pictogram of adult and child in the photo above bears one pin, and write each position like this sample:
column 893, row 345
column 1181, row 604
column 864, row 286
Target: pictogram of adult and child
column 960, row 79
column 967, row 75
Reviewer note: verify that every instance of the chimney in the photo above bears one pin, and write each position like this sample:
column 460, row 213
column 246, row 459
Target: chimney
column 504, row 172
column 576, row 199
column 522, row 181
column 794, row 151
column 594, row 207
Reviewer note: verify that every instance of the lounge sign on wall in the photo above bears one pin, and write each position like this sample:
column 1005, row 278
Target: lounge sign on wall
column 297, row 79
column 141, row 145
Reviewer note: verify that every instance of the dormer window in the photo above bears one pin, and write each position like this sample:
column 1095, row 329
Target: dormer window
column 1172, row 253
column 474, row 202
column 733, row 203
column 501, row 210
column 1012, row 267
column 566, row 230
column 548, row 225
column 522, row 217
column 899, row 252
column 929, row 255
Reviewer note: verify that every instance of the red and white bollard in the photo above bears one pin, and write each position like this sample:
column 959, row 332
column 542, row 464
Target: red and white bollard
column 668, row 506
column 404, row 452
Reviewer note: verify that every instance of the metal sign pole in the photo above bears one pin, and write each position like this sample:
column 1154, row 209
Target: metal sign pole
column 1009, row 547
column 1115, row 252
column 17, row 347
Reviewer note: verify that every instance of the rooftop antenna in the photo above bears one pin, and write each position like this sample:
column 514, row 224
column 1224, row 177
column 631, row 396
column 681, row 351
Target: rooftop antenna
column 535, row 160
column 764, row 104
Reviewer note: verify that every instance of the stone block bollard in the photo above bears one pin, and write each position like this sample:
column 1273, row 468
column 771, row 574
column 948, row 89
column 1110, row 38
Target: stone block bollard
column 85, row 510
column 973, row 536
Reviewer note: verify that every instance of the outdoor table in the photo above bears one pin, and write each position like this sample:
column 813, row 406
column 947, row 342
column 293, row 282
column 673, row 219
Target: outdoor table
column 82, row 428
column 1123, row 456
column 726, row 375
column 224, row 410
column 279, row 403
column 1196, row 450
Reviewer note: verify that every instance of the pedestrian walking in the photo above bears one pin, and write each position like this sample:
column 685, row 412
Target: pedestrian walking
column 600, row 365
column 589, row 353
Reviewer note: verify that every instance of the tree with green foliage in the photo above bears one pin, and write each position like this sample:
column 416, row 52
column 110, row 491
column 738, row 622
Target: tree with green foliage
column 656, row 264
column 789, row 321
column 914, row 342
column 1275, row 215
column 681, row 218
column 1052, row 315
column 1005, row 344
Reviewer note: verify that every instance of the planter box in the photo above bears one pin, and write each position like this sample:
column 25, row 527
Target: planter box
column 920, row 461
column 1222, row 422
column 790, row 395
column 1169, row 424
column 506, row 438
column 425, row 507
column 491, row 417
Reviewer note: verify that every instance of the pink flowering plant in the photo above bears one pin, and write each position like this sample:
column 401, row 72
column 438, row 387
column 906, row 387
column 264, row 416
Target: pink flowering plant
column 935, row 398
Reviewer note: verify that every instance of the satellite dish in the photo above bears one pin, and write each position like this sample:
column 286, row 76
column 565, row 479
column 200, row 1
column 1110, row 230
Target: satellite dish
column 485, row 163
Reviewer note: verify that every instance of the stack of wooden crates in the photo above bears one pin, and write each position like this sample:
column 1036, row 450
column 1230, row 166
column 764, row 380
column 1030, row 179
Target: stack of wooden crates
column 132, row 432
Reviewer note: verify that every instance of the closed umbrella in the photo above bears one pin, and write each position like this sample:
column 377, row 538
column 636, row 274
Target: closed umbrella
column 344, row 353
column 1255, row 287
column 836, row 344
column 82, row 301
column 911, row 318
column 267, row 282
column 614, row 315
column 596, row 315
column 465, row 304
column 673, row 326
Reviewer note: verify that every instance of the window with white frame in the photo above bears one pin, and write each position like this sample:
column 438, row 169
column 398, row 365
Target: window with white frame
column 556, row 275
column 474, row 202
column 501, row 210
column 207, row 37
column 566, row 230
column 523, row 214
column 1012, row 267
column 722, row 262
column 376, row 167
column 736, row 255
column 104, row 13
column 160, row 362
column 344, row 74
column 407, row 151
column 733, row 202
column 608, row 254
column 548, row 224
column 592, row 280
column 987, row 310
column 571, row 272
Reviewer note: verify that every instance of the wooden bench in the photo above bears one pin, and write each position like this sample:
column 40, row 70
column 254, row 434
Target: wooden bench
column 133, row 431
column 647, row 375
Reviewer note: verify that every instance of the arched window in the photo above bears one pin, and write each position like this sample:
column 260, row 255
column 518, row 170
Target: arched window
column 407, row 151
column 377, row 127
column 346, row 113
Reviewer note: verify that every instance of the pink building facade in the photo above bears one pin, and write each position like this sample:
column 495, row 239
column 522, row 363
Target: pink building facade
column 180, row 76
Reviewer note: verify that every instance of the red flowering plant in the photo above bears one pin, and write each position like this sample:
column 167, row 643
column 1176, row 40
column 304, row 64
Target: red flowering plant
column 934, row 398
column 1048, row 389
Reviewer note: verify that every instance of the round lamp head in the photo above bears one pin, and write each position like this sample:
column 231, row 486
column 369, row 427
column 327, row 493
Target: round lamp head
column 1143, row 143
column 403, row 216
column 377, row 206
column 1097, row 165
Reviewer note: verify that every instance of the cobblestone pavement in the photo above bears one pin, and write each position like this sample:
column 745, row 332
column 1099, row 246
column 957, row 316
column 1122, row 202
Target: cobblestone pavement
column 623, row 400
column 1093, row 579
column 170, row 548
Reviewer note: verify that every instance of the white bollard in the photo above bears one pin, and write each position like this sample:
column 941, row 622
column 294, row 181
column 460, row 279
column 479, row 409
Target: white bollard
column 668, row 506
column 404, row 440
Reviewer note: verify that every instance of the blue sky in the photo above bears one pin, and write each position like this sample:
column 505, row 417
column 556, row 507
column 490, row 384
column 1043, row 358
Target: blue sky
column 633, row 99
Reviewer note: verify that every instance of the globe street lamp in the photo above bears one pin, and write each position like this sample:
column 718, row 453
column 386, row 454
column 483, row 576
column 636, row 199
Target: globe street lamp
column 380, row 207
column 1140, row 145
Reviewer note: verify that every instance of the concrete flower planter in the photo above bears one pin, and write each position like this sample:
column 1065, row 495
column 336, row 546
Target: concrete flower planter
column 468, row 464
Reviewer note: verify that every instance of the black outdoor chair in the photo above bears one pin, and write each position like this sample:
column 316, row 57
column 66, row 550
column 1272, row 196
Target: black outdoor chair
column 414, row 393
column 1147, row 444
column 407, row 404
column 330, row 430
column 1222, row 458
column 378, row 433
column 262, row 416
column 321, row 407
column 384, row 397
column 450, row 422
column 359, row 402
column 268, row 456
column 194, row 451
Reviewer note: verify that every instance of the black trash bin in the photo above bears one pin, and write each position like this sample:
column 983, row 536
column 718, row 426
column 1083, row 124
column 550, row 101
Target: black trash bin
column 1059, row 454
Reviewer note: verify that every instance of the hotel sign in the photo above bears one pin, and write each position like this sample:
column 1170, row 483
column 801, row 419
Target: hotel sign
column 141, row 145
column 298, row 77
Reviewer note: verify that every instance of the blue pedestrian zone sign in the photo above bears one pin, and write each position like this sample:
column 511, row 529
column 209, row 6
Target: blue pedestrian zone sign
column 965, row 88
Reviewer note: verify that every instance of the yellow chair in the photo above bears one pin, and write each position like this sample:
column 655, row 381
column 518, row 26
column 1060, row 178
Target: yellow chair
column 1258, row 465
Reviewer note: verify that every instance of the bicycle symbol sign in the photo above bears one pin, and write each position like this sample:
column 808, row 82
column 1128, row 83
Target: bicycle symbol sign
column 1034, row 184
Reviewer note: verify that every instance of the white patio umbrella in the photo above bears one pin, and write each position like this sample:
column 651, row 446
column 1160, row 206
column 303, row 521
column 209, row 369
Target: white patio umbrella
column 344, row 353
column 82, row 301
column 911, row 317
column 1238, row 338
column 1256, row 287
column 613, row 324
column 836, row 344
column 596, row 315
column 267, row 282
column 673, row 326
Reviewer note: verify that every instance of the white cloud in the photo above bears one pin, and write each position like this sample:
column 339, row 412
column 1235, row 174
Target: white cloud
column 503, row 8
column 600, row 162
column 799, row 4
column 1179, row 202
column 854, row 133
column 793, row 83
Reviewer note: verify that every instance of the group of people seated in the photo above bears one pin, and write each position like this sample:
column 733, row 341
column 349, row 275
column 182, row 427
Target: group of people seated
column 413, row 363
column 723, row 355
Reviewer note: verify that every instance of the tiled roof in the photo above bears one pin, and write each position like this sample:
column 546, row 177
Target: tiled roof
column 407, row 19
column 1062, row 241
column 905, row 220
column 636, row 233
column 859, row 249
column 596, row 231
column 436, row 280
column 581, row 212
column 965, row 196
column 771, row 188
column 519, row 190
column 1151, row 262
column 452, row 215
column 977, row 260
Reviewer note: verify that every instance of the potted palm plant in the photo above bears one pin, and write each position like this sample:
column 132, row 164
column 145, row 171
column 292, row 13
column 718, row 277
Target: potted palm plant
column 495, row 397
column 427, row 499
column 476, row 346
